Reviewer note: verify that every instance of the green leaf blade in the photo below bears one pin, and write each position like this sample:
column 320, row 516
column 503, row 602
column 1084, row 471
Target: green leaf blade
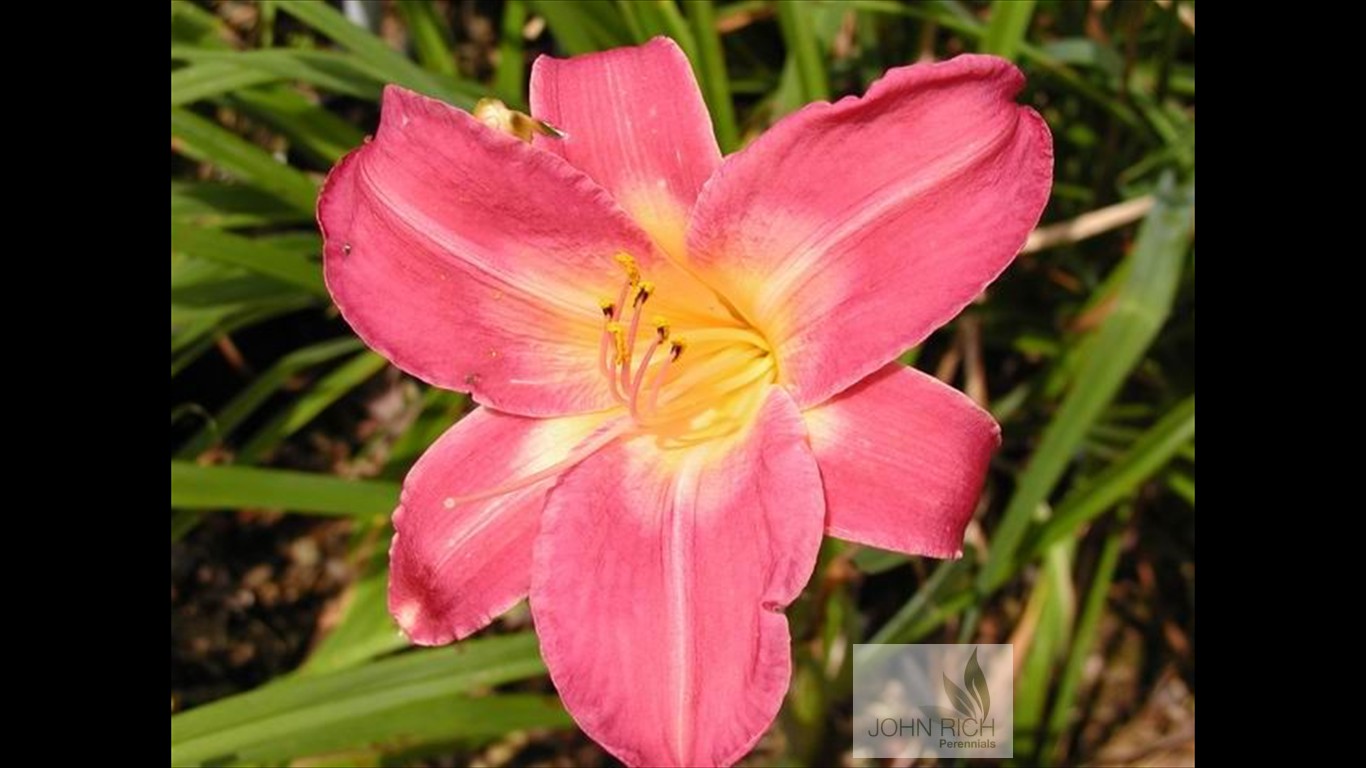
column 229, row 487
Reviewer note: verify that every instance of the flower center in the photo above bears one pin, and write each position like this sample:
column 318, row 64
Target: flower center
column 684, row 390
column 697, row 384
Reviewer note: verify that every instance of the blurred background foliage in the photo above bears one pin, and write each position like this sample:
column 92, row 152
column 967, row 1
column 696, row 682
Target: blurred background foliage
column 288, row 437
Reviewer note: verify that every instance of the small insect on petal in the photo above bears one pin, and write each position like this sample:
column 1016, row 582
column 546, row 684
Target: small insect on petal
column 496, row 115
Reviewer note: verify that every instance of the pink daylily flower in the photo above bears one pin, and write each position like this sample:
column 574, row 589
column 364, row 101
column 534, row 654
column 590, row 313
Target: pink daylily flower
column 685, row 363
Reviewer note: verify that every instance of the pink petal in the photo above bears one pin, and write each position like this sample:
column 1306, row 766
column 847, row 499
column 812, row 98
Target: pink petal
column 659, row 583
column 903, row 457
column 849, row 232
column 476, row 262
column 635, row 122
column 455, row 567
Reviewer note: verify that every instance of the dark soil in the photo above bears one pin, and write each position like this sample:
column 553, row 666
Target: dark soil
column 246, row 593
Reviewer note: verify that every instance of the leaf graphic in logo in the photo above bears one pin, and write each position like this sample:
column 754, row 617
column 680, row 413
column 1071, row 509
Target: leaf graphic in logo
column 976, row 683
column 958, row 696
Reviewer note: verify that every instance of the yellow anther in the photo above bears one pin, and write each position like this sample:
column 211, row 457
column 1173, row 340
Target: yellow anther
column 496, row 115
column 619, row 340
column 661, row 325
column 629, row 264
column 676, row 347
column 646, row 288
column 608, row 308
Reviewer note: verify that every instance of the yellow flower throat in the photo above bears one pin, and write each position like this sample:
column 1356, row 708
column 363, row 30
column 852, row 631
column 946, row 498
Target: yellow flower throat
column 683, row 391
column 702, row 383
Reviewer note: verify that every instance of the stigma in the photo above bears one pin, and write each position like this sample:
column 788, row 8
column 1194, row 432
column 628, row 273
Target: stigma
column 685, row 387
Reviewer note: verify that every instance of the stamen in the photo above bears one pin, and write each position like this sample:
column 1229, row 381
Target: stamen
column 675, row 351
column 628, row 263
column 606, row 370
column 646, row 288
column 625, row 362
column 619, row 340
column 640, row 378
column 614, row 339
column 661, row 376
